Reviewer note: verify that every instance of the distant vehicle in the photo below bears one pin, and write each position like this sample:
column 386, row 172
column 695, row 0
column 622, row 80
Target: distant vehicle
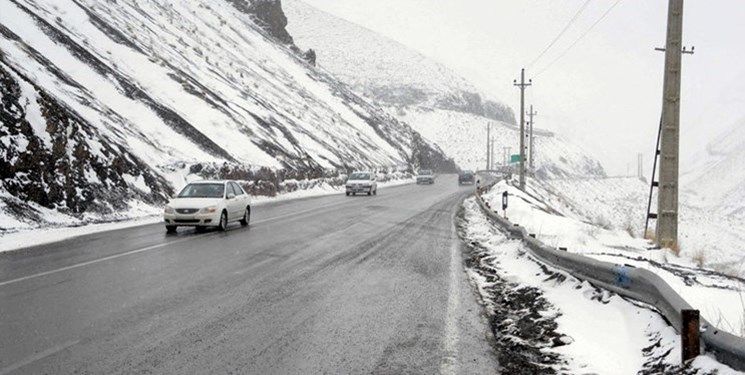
column 425, row 176
column 466, row 177
column 204, row 204
column 362, row 182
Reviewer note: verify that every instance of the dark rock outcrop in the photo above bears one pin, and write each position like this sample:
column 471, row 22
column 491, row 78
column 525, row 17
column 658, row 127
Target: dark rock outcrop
column 268, row 15
column 310, row 57
column 470, row 102
column 67, row 164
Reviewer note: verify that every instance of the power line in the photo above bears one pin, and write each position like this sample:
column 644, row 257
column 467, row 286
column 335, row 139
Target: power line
column 571, row 21
column 579, row 39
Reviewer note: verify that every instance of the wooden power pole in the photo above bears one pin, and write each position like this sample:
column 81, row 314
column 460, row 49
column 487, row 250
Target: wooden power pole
column 531, row 114
column 522, row 85
column 667, row 198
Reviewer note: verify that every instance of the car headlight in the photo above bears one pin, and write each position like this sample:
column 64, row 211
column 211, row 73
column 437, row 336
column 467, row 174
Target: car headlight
column 169, row 210
column 208, row 210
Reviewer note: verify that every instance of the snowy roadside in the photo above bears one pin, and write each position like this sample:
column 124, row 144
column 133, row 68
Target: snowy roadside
column 709, row 236
column 546, row 321
column 719, row 297
column 28, row 236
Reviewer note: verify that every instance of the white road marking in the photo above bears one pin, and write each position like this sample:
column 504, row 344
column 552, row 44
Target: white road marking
column 83, row 264
column 38, row 356
column 152, row 247
column 449, row 363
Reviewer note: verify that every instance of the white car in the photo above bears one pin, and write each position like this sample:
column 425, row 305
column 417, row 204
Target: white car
column 425, row 176
column 362, row 182
column 204, row 204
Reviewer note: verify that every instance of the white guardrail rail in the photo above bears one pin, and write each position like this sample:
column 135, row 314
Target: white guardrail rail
column 635, row 283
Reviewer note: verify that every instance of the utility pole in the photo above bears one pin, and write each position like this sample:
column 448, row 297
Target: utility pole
column 667, row 199
column 640, row 166
column 522, row 85
column 491, row 155
column 488, row 151
column 531, row 114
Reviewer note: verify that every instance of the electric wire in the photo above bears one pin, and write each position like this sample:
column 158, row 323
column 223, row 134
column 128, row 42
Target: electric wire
column 564, row 30
column 578, row 39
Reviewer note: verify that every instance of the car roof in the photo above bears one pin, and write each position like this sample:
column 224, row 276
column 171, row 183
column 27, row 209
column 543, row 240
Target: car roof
column 210, row 181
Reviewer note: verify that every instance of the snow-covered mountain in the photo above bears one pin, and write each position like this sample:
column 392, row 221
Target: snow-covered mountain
column 104, row 101
column 463, row 137
column 383, row 69
column 716, row 177
column 439, row 104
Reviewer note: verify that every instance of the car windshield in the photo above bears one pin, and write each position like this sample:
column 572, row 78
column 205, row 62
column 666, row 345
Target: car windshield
column 425, row 172
column 359, row 176
column 202, row 191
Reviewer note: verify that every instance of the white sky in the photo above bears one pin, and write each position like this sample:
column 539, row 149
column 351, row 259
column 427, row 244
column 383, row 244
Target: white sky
column 606, row 92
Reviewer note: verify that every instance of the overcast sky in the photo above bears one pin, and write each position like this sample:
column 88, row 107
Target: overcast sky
column 606, row 91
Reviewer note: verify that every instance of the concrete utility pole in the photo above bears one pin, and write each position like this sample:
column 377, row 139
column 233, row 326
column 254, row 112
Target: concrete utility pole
column 640, row 166
column 488, row 151
column 531, row 114
column 667, row 200
column 522, row 85
column 491, row 155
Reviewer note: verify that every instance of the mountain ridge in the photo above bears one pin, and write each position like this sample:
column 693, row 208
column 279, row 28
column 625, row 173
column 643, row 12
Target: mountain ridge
column 163, row 85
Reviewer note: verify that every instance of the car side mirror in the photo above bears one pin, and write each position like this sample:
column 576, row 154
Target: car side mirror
column 231, row 195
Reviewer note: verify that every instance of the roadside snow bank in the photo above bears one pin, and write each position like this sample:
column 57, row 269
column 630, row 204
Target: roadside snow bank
column 708, row 235
column 549, row 322
column 719, row 297
column 23, row 234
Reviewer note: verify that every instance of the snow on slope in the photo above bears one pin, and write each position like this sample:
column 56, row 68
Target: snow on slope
column 558, row 222
column 707, row 238
column 440, row 105
column 383, row 69
column 463, row 137
column 540, row 314
column 717, row 178
column 159, row 83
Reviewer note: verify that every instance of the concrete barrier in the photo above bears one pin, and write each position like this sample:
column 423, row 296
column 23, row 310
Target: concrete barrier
column 635, row 283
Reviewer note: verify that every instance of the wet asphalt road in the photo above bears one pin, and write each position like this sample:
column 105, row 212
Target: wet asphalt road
column 323, row 285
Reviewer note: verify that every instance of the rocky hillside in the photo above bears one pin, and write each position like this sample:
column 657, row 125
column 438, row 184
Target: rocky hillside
column 104, row 102
column 385, row 70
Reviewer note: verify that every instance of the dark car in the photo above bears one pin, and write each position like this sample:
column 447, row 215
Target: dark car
column 466, row 177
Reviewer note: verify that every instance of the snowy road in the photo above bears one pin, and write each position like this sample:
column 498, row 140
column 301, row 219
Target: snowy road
column 330, row 284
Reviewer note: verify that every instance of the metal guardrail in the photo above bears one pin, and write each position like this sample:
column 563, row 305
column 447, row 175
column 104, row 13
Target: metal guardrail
column 635, row 283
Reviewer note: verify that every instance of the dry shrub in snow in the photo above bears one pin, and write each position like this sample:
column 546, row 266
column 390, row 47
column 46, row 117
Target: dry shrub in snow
column 630, row 229
column 603, row 222
column 699, row 257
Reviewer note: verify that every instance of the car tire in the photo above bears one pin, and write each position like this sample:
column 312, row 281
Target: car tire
column 369, row 192
column 222, row 226
column 347, row 193
column 171, row 229
column 246, row 217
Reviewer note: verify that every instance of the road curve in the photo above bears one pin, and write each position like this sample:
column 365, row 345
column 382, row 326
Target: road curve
column 324, row 285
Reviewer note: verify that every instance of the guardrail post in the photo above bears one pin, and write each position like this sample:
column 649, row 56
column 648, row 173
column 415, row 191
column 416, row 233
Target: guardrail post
column 690, row 335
